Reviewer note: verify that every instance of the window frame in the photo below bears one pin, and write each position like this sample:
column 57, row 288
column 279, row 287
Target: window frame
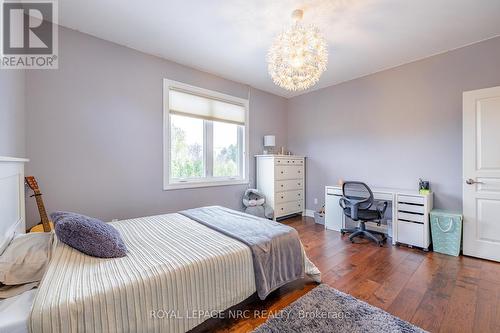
column 171, row 184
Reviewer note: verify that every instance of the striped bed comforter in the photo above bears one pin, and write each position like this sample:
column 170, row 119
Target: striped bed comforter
column 176, row 274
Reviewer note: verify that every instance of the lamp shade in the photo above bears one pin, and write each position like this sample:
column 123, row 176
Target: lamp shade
column 269, row 141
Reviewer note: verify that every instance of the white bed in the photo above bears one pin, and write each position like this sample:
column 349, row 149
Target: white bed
column 14, row 312
column 175, row 266
column 176, row 275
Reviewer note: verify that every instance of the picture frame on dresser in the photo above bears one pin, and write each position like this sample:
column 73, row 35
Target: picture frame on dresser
column 281, row 178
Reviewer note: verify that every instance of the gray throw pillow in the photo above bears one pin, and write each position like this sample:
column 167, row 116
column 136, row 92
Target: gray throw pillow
column 88, row 235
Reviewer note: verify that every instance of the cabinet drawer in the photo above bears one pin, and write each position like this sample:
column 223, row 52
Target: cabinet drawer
column 411, row 208
column 289, row 172
column 333, row 191
column 411, row 217
column 410, row 199
column 411, row 233
column 288, row 161
column 289, row 196
column 287, row 185
column 286, row 208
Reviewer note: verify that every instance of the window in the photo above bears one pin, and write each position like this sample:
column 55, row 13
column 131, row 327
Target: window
column 205, row 137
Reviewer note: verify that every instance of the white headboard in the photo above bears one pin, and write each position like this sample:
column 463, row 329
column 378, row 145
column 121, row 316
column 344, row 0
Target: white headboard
column 12, row 214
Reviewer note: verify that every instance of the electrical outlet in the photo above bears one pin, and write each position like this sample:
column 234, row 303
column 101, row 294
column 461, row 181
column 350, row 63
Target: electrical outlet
column 315, row 201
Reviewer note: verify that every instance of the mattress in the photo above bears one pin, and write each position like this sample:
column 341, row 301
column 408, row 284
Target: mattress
column 176, row 275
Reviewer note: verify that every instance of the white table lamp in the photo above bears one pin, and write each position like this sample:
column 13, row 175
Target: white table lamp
column 269, row 141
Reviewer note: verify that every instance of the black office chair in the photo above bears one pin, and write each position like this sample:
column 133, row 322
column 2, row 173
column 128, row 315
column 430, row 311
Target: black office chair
column 356, row 202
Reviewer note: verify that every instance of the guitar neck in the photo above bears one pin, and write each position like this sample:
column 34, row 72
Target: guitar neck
column 43, row 212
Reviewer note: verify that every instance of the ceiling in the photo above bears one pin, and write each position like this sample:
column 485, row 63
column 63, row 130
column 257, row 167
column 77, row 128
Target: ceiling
column 230, row 38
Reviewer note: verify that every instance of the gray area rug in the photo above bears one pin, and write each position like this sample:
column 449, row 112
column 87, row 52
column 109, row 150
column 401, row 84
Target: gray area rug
column 325, row 309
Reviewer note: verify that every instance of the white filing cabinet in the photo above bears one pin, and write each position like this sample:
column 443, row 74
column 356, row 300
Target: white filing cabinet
column 281, row 179
column 410, row 214
column 413, row 219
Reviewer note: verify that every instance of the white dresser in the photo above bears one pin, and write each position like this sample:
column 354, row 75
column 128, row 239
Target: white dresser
column 281, row 179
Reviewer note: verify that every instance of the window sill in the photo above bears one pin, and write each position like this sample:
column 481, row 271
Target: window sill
column 186, row 185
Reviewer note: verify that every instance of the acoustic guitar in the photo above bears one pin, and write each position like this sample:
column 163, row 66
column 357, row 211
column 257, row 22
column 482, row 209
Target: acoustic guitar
column 45, row 225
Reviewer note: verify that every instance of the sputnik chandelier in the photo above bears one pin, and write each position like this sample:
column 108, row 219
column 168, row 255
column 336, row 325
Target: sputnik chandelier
column 298, row 56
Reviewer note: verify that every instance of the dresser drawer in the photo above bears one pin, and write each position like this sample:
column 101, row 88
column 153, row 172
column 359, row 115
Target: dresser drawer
column 289, row 196
column 289, row 172
column 286, row 208
column 411, row 233
column 288, row 185
column 411, row 208
column 419, row 218
column 288, row 161
column 410, row 199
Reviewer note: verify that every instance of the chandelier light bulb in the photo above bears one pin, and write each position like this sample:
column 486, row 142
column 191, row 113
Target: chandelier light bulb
column 298, row 56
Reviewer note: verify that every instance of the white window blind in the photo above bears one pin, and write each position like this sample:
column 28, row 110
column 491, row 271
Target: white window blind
column 208, row 108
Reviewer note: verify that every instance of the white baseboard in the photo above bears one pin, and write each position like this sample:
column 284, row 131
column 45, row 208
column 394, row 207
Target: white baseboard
column 309, row 213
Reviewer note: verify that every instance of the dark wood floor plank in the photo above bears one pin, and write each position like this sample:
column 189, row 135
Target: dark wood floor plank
column 389, row 290
column 463, row 302
column 363, row 289
column 487, row 312
column 394, row 283
column 408, row 300
column 432, row 309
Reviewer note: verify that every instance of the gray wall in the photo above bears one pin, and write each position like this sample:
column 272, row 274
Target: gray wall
column 390, row 128
column 94, row 127
column 94, row 130
column 12, row 113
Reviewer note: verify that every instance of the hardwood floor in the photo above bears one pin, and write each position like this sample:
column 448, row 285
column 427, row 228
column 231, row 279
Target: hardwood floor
column 436, row 292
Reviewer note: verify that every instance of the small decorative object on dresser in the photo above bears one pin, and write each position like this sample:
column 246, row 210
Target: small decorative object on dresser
column 269, row 143
column 281, row 179
column 424, row 186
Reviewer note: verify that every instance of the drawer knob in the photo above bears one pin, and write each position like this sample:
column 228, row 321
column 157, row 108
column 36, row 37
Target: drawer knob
column 281, row 185
column 281, row 208
column 281, row 197
column 299, row 194
column 281, row 172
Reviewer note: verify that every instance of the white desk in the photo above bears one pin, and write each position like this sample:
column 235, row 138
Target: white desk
column 409, row 214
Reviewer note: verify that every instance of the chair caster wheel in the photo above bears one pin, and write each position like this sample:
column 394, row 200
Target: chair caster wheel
column 381, row 244
column 342, row 233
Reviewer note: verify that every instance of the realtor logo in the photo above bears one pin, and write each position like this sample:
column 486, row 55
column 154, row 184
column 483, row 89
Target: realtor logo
column 29, row 34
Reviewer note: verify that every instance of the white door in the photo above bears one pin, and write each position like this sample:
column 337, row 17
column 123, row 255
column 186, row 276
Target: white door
column 481, row 167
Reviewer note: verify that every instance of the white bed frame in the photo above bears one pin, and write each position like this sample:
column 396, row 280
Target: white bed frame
column 12, row 213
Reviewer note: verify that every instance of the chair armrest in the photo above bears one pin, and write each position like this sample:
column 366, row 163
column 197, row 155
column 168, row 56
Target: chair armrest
column 382, row 207
column 342, row 202
column 352, row 204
